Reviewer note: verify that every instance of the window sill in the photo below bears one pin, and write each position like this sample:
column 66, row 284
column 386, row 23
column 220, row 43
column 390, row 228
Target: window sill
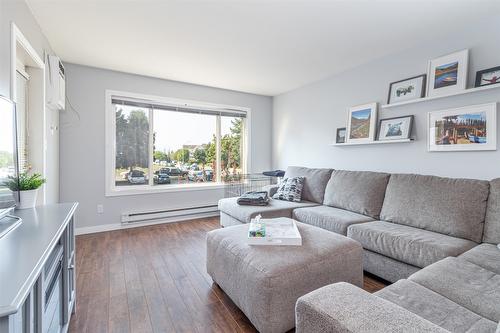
column 147, row 189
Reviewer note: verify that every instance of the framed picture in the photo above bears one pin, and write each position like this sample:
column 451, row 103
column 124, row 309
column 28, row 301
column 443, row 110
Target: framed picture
column 397, row 128
column 467, row 128
column 407, row 89
column 448, row 74
column 487, row 77
column 362, row 122
column 340, row 138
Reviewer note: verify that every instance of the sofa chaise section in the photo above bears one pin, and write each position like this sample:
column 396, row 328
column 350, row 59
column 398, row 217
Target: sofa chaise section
column 344, row 308
column 435, row 308
column 313, row 191
column 232, row 213
column 484, row 255
column 464, row 283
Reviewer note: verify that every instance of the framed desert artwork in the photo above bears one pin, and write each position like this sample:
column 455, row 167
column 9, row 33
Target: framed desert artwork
column 361, row 124
column 448, row 74
column 468, row 128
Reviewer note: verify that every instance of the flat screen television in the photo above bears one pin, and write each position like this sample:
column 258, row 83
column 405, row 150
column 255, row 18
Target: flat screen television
column 8, row 155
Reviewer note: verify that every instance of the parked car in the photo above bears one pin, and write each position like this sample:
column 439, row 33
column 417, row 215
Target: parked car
column 136, row 177
column 161, row 177
column 196, row 176
column 201, row 175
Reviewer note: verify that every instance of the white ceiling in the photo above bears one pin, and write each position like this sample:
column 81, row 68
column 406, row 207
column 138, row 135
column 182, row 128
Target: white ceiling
column 257, row 46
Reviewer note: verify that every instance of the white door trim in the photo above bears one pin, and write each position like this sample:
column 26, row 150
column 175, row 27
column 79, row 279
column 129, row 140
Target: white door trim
column 38, row 87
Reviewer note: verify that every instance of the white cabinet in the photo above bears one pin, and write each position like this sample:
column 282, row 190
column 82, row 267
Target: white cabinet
column 50, row 299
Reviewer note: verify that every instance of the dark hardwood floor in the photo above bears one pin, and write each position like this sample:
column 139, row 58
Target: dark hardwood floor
column 153, row 279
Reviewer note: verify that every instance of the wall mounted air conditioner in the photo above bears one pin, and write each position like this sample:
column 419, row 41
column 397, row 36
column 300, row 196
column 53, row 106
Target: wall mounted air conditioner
column 56, row 83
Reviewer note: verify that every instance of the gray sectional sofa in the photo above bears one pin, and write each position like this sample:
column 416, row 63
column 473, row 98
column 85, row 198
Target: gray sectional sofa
column 434, row 237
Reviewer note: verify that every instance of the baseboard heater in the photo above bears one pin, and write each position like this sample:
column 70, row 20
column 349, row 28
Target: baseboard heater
column 170, row 214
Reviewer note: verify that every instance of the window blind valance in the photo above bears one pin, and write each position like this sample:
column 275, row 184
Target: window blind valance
column 185, row 108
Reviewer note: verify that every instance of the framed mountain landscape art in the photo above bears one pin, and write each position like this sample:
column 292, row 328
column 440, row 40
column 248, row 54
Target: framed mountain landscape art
column 448, row 74
column 407, row 89
column 463, row 129
column 397, row 128
column 362, row 122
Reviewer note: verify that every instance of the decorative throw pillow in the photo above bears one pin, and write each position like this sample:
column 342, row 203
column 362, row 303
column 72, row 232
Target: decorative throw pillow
column 290, row 189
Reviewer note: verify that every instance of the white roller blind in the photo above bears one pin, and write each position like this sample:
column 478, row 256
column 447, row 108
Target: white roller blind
column 22, row 123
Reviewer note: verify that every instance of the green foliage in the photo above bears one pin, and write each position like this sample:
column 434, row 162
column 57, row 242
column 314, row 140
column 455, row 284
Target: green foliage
column 6, row 159
column 182, row 155
column 132, row 139
column 25, row 182
column 161, row 156
column 200, row 156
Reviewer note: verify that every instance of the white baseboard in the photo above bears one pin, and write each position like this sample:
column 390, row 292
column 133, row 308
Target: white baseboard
column 119, row 226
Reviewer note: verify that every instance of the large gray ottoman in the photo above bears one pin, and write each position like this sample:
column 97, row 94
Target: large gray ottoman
column 266, row 281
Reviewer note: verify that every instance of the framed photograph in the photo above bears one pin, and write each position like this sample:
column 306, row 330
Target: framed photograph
column 362, row 123
column 487, row 77
column 397, row 128
column 340, row 138
column 463, row 129
column 448, row 74
column 407, row 89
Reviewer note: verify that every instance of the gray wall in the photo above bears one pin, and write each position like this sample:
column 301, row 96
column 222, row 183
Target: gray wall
column 82, row 141
column 18, row 12
column 305, row 120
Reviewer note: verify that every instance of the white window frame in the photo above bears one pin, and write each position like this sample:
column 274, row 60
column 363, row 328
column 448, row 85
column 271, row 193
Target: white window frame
column 110, row 149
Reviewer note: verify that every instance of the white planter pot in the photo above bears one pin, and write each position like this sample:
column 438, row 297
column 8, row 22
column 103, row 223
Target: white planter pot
column 27, row 199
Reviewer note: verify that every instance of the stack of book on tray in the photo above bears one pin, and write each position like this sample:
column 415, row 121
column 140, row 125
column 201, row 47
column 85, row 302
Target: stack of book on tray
column 278, row 231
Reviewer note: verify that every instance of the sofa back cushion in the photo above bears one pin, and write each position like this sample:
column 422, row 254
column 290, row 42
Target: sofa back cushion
column 314, row 181
column 454, row 207
column 492, row 224
column 358, row 191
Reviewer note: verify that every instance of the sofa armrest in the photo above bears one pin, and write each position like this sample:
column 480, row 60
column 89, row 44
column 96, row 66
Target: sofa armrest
column 270, row 189
column 345, row 308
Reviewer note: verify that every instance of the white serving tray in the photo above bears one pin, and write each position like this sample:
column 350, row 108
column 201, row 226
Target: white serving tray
column 279, row 231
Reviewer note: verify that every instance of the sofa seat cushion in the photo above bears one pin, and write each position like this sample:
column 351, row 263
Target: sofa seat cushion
column 407, row 244
column 464, row 283
column 492, row 223
column 435, row 308
column 358, row 191
column 454, row 207
column 329, row 218
column 485, row 255
column 276, row 208
column 315, row 181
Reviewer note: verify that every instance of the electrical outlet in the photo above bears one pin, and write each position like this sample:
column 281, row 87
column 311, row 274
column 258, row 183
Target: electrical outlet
column 100, row 209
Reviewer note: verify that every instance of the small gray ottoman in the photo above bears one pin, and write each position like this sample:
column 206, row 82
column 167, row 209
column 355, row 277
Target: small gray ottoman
column 266, row 281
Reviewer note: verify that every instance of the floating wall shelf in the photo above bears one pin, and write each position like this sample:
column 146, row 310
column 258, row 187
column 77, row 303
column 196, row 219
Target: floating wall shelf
column 371, row 142
column 425, row 99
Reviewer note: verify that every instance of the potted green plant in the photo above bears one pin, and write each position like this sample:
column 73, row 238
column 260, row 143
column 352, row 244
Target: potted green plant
column 27, row 186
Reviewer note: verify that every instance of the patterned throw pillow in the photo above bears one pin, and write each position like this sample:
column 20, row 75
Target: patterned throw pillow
column 290, row 189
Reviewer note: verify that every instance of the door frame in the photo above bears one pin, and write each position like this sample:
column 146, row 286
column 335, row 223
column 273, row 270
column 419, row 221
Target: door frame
column 36, row 100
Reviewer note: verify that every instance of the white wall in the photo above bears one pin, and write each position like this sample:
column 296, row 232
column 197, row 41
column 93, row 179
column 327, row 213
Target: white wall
column 305, row 120
column 18, row 12
column 82, row 141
